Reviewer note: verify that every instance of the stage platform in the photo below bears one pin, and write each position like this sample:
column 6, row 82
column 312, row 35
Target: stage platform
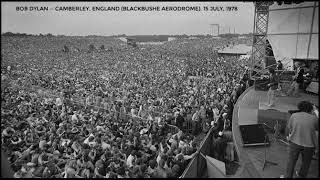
column 279, row 106
column 250, row 109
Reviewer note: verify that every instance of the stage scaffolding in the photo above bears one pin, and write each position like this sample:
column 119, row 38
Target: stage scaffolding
column 258, row 58
column 289, row 28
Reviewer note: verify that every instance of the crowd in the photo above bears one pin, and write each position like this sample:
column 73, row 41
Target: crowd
column 107, row 113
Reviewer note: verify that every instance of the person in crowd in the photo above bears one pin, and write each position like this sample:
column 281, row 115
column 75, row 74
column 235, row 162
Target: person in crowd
column 301, row 134
column 226, row 122
column 195, row 122
column 219, row 146
column 99, row 117
column 179, row 119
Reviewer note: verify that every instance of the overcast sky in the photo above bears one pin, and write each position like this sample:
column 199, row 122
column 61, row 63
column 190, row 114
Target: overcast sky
column 121, row 22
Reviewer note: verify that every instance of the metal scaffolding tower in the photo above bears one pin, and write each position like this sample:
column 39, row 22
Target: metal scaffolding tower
column 258, row 58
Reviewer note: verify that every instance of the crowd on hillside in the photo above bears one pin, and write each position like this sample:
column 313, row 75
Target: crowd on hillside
column 110, row 113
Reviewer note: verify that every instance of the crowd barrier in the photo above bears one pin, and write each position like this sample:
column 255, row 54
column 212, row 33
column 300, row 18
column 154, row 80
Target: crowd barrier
column 198, row 165
column 173, row 129
column 187, row 127
column 191, row 170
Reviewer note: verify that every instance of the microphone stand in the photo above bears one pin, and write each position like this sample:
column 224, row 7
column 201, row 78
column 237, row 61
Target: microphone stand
column 276, row 134
column 265, row 161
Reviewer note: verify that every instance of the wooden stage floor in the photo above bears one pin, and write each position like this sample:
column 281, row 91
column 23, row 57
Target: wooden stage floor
column 251, row 158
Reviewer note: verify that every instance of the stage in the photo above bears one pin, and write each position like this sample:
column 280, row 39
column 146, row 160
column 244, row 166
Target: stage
column 251, row 109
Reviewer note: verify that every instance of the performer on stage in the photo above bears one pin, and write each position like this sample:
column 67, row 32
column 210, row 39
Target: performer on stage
column 297, row 81
column 273, row 85
column 279, row 65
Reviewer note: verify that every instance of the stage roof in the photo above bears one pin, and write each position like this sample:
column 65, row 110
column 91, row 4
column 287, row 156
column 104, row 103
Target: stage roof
column 293, row 31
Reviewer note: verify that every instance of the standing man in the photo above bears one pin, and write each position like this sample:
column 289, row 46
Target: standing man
column 273, row 85
column 216, row 112
column 179, row 119
column 279, row 65
column 9, row 69
column 203, row 117
column 301, row 134
column 195, row 121
column 122, row 112
column 297, row 81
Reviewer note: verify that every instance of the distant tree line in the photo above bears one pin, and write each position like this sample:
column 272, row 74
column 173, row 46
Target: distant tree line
column 139, row 38
column 16, row 34
column 26, row 35
column 155, row 38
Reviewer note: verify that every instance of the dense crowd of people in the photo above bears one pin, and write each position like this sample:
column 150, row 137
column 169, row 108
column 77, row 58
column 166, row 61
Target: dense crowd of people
column 109, row 112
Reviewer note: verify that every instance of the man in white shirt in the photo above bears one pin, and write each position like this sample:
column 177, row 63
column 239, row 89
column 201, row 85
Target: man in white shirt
column 42, row 143
column 175, row 116
column 9, row 68
column 215, row 113
column 59, row 102
column 133, row 112
column 142, row 112
column 195, row 122
column 131, row 158
column 89, row 100
column 47, row 100
column 74, row 117
column 90, row 140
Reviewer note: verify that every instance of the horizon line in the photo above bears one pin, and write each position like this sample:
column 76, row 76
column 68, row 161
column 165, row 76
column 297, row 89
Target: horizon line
column 45, row 34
